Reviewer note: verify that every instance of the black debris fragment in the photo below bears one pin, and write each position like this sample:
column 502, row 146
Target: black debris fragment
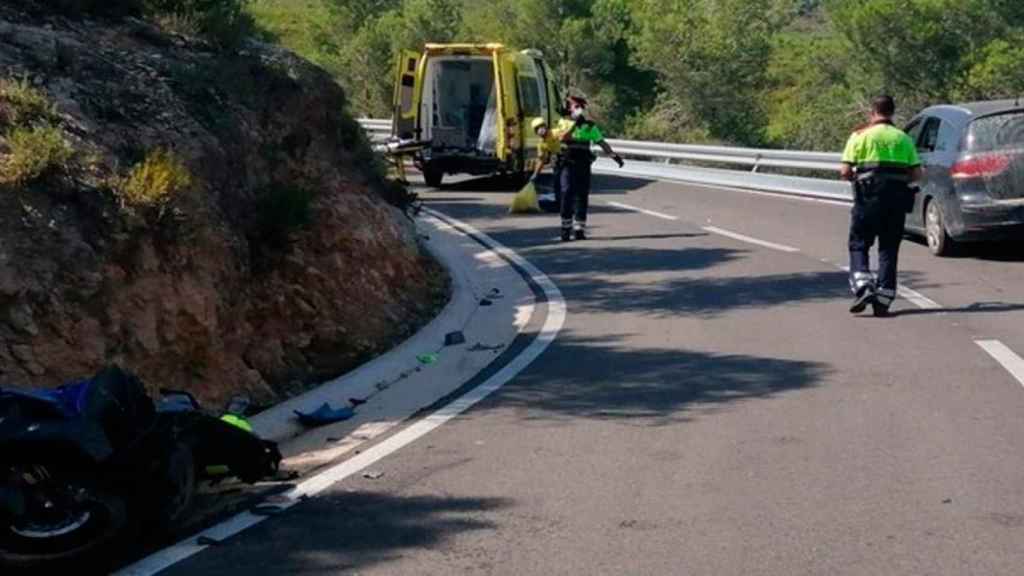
column 454, row 338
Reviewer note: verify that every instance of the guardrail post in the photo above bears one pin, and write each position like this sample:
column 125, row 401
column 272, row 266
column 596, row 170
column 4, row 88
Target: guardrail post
column 757, row 164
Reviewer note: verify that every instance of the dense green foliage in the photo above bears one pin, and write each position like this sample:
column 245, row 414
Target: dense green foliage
column 792, row 73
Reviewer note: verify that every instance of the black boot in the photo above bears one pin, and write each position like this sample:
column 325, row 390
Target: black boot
column 879, row 310
column 566, row 234
column 865, row 296
column 580, row 234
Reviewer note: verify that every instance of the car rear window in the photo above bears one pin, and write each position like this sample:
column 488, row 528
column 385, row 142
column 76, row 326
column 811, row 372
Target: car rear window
column 997, row 132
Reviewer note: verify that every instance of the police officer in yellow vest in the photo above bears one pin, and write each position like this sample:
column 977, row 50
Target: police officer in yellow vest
column 575, row 171
column 881, row 161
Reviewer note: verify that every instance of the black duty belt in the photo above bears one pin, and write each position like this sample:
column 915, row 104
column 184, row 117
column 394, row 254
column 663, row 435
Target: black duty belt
column 881, row 173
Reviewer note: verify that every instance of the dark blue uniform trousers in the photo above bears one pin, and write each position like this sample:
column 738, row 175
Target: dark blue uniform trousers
column 878, row 213
column 575, row 185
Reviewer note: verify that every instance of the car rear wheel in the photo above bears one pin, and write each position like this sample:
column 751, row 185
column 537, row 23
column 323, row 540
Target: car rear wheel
column 939, row 242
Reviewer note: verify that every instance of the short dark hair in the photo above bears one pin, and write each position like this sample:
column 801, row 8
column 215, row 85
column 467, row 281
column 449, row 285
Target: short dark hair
column 883, row 105
column 577, row 100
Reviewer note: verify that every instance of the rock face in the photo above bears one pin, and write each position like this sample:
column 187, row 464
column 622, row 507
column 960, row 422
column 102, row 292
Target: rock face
column 280, row 265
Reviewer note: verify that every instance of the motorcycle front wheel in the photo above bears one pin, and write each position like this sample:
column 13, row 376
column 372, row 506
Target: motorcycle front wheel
column 61, row 520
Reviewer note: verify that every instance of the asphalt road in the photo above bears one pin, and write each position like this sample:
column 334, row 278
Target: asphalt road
column 710, row 407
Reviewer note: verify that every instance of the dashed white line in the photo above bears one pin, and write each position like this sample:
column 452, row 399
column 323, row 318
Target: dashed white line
column 750, row 240
column 913, row 296
column 917, row 299
column 644, row 211
column 909, row 294
column 1009, row 359
column 556, row 315
column 777, row 195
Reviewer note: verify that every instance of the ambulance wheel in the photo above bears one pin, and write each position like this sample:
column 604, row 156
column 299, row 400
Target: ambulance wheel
column 432, row 176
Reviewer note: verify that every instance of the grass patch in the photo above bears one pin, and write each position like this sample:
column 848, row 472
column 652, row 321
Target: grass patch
column 155, row 180
column 22, row 104
column 35, row 153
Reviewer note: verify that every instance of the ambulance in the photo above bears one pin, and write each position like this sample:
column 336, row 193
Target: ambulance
column 469, row 108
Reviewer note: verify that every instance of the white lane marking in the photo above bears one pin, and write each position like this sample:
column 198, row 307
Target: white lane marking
column 750, row 240
column 556, row 313
column 917, row 299
column 777, row 195
column 644, row 211
column 1013, row 363
column 713, row 229
column 913, row 296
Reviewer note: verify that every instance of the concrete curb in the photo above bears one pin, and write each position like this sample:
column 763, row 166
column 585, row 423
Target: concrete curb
column 454, row 250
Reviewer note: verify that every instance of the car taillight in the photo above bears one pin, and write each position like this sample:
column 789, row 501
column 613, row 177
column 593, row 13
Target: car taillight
column 981, row 166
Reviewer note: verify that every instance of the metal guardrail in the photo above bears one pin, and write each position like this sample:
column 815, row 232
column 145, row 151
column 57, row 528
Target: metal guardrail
column 654, row 161
column 754, row 157
column 375, row 126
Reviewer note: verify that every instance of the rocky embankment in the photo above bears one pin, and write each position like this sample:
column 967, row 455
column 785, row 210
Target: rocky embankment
column 212, row 220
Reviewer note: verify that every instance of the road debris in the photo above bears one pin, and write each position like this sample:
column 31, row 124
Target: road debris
column 454, row 338
column 325, row 415
column 427, row 359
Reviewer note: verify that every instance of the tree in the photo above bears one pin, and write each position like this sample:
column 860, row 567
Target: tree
column 711, row 58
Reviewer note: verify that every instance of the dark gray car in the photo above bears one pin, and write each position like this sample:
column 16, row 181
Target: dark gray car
column 973, row 188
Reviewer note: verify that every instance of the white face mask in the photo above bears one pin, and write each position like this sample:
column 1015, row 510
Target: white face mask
column 576, row 113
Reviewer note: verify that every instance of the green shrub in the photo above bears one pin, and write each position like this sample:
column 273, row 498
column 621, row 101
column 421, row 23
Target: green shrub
column 225, row 23
column 279, row 213
column 155, row 180
column 35, row 153
column 22, row 104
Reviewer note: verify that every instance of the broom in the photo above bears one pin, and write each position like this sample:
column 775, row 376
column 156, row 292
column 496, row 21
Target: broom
column 525, row 201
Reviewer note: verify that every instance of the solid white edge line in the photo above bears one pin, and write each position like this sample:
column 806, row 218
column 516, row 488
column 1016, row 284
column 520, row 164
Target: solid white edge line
column 643, row 211
column 750, row 240
column 556, row 314
column 1009, row 359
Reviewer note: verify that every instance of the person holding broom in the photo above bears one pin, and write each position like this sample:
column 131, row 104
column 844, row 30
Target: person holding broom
column 549, row 150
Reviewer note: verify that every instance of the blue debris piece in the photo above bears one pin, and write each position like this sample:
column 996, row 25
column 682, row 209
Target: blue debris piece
column 325, row 415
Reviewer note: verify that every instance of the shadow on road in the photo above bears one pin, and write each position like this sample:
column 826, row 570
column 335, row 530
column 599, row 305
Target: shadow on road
column 588, row 268
column 1008, row 251
column 484, row 184
column 606, row 378
column 338, row 532
column 652, row 237
column 703, row 296
column 609, row 184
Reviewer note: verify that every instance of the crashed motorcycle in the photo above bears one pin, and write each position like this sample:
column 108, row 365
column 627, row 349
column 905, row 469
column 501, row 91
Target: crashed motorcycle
column 85, row 465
